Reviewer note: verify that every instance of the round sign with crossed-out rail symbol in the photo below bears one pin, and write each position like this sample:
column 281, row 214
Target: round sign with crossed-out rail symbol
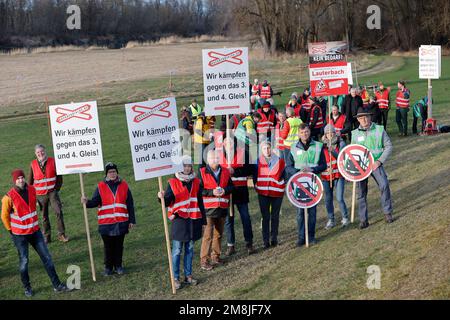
column 355, row 163
column 304, row 190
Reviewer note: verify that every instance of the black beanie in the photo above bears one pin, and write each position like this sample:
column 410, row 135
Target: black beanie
column 110, row 166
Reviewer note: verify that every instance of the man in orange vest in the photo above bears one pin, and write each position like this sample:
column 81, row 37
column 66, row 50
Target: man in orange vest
column 382, row 97
column 115, row 216
column 20, row 218
column 268, row 121
column 266, row 93
column 47, row 184
column 255, row 92
column 215, row 181
column 402, row 102
column 339, row 122
column 316, row 121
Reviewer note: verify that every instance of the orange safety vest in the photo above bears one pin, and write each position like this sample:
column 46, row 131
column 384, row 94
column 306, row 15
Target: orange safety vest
column 114, row 207
column 334, row 167
column 24, row 220
column 186, row 202
column 44, row 183
column 365, row 98
column 265, row 92
column 266, row 123
column 382, row 99
column 209, row 183
column 319, row 123
column 401, row 101
column 339, row 124
column 269, row 182
column 306, row 104
column 237, row 162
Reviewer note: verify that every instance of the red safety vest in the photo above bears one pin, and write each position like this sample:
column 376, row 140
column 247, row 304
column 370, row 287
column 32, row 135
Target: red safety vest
column 25, row 219
column 186, row 203
column 269, row 182
column 114, row 207
column 235, row 119
column 237, row 162
column 319, row 123
column 265, row 92
column 382, row 99
column 255, row 89
column 306, row 104
column 401, row 101
column 339, row 124
column 266, row 123
column 279, row 140
column 209, row 183
column 44, row 183
column 365, row 97
column 218, row 139
column 335, row 171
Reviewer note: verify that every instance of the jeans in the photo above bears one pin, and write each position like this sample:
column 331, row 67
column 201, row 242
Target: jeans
column 36, row 240
column 311, row 225
column 339, row 187
column 177, row 248
column 52, row 199
column 113, row 247
column 246, row 225
column 383, row 184
column 401, row 116
column 270, row 211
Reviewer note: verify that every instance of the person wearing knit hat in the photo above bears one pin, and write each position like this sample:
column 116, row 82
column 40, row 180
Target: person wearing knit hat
column 184, row 200
column 116, row 216
column 333, row 181
column 20, row 218
column 47, row 182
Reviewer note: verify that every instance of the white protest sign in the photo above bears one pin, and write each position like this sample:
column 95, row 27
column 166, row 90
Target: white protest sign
column 430, row 62
column 226, row 81
column 76, row 138
column 154, row 138
column 350, row 73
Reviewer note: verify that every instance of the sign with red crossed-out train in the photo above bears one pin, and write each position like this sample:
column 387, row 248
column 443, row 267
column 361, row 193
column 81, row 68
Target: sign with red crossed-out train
column 304, row 190
column 76, row 138
column 328, row 69
column 226, row 81
column 154, row 138
column 355, row 162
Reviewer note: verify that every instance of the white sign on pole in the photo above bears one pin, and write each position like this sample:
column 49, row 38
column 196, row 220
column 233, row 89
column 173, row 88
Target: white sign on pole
column 76, row 138
column 154, row 138
column 226, row 81
column 350, row 73
column 430, row 62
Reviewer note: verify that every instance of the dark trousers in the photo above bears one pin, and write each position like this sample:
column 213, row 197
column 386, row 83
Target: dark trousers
column 401, row 116
column 246, row 226
column 270, row 211
column 311, row 225
column 423, row 116
column 113, row 251
column 45, row 201
column 384, row 117
column 36, row 240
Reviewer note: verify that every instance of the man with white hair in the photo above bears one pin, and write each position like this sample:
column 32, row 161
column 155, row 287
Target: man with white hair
column 47, row 183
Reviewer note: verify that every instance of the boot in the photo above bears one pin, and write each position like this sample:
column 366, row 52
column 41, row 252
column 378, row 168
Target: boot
column 230, row 251
column 389, row 218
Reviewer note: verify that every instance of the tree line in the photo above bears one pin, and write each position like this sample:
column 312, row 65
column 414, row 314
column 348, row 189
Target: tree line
column 280, row 25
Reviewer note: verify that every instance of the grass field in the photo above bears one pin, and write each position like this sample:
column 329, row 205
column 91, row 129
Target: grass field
column 412, row 253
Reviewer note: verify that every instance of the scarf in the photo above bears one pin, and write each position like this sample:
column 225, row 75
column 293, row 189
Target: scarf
column 334, row 141
column 185, row 177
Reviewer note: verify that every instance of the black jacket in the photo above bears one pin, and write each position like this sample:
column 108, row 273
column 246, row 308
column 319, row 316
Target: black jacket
column 351, row 106
column 116, row 229
column 186, row 229
column 216, row 212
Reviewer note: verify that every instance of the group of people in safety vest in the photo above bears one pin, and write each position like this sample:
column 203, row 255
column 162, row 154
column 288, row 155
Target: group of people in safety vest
column 19, row 214
column 263, row 149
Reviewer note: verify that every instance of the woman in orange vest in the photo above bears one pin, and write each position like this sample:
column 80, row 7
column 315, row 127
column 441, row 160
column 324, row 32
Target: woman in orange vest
column 183, row 197
column 332, row 144
column 339, row 122
column 270, row 185
column 20, row 218
column 115, row 216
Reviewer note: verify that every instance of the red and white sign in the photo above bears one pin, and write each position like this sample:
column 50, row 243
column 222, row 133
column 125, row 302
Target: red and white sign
column 430, row 62
column 304, row 190
column 226, row 81
column 355, row 162
column 154, row 138
column 76, row 138
column 328, row 69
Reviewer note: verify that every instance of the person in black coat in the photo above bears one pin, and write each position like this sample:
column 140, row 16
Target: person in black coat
column 183, row 197
column 350, row 107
